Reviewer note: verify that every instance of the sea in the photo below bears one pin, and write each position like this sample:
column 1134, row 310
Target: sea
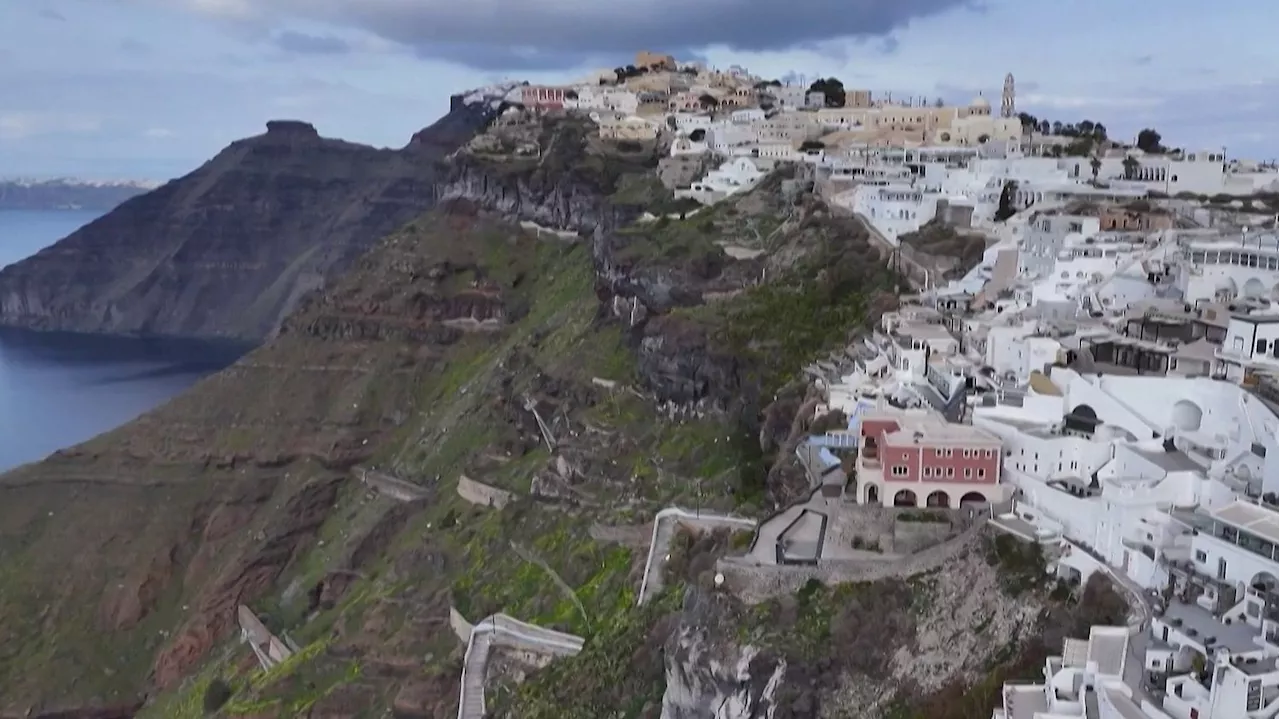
column 59, row 389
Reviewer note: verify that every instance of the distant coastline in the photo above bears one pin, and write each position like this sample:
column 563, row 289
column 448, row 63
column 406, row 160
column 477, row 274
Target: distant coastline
column 67, row 194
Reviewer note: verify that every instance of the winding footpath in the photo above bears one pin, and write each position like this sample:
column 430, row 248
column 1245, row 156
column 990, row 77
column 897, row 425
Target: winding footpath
column 664, row 528
column 505, row 631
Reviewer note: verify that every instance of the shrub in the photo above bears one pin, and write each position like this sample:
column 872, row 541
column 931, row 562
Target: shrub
column 216, row 694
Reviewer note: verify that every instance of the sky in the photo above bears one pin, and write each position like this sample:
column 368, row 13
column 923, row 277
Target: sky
column 149, row 89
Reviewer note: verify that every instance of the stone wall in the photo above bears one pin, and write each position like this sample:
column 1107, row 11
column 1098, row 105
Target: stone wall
column 482, row 494
column 755, row 583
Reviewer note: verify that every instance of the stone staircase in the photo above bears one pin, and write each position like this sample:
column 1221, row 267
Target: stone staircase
column 502, row 630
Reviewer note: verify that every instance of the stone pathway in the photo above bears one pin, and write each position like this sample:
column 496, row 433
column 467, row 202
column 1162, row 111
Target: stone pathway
column 505, row 631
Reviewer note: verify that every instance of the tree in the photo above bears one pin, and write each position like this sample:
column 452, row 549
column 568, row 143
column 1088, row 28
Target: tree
column 937, row 102
column 1149, row 141
column 1029, row 122
column 1057, row 128
column 1006, row 208
column 1100, row 131
column 1045, row 127
column 832, row 91
column 1095, row 165
column 1130, row 165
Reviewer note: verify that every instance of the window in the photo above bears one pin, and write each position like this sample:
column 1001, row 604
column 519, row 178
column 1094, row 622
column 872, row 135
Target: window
column 1260, row 348
column 1222, row 568
column 1201, row 557
column 899, row 470
column 927, row 471
column 981, row 473
column 937, row 452
column 968, row 473
column 950, row 452
column 951, row 471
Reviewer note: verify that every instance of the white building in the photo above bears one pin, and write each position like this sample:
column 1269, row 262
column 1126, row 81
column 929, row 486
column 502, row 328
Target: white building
column 1085, row 682
column 1251, row 344
column 1226, row 269
column 1099, row 460
column 736, row 175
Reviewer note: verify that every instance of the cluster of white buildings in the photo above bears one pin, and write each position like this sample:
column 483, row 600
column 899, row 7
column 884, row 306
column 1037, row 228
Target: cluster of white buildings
column 1105, row 379
column 1122, row 359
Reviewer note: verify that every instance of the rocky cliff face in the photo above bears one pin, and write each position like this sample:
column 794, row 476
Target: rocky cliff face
column 230, row 248
column 710, row 676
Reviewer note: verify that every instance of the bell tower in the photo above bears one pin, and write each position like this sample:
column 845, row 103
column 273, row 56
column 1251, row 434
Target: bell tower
column 1007, row 107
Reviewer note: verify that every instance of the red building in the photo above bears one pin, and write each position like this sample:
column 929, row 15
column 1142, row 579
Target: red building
column 541, row 96
column 914, row 459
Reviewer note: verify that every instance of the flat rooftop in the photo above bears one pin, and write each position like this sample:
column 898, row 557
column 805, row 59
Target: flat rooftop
column 1235, row 637
column 1107, row 648
column 1175, row 461
column 1250, row 517
column 1024, row 702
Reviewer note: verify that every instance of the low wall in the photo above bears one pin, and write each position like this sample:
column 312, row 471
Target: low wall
column 481, row 493
column 397, row 489
column 460, row 625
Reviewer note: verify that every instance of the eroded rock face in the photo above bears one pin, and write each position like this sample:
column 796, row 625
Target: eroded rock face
column 710, row 675
column 249, row 576
column 229, row 249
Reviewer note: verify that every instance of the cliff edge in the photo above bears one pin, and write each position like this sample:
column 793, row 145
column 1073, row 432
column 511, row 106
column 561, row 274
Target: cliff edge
column 228, row 250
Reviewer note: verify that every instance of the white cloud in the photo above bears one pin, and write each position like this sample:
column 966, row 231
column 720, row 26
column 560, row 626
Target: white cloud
column 159, row 133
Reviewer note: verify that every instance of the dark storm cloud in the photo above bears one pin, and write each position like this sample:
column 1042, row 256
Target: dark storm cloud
column 305, row 44
column 563, row 34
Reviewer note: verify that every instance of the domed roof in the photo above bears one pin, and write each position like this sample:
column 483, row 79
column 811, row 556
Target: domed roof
column 980, row 101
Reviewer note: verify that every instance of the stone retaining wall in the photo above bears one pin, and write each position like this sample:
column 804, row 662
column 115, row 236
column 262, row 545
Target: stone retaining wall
column 482, row 494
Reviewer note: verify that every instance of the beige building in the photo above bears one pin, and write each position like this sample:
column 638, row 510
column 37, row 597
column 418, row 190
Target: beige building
column 857, row 98
column 967, row 125
column 614, row 126
column 644, row 58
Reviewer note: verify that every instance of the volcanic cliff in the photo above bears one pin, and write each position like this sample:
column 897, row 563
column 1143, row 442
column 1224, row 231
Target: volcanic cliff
column 227, row 250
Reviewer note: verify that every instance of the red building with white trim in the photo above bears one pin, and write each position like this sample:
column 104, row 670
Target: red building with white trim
column 920, row 460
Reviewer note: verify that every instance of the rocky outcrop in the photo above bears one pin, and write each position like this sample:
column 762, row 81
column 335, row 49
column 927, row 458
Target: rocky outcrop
column 229, row 249
column 561, row 204
column 710, row 675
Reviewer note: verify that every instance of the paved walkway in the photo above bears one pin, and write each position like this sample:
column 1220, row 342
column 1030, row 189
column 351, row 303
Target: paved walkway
column 664, row 528
column 506, row 631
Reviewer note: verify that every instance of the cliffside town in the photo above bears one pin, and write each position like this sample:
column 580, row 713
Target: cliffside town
column 673, row 393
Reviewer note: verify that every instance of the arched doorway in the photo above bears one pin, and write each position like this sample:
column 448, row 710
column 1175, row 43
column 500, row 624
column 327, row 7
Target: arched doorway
column 938, row 499
column 873, row 494
column 1264, row 582
column 1187, row 415
column 973, row 499
column 905, row 498
column 1255, row 288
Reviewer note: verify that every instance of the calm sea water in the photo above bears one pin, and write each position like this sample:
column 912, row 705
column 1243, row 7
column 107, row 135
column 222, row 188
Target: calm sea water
column 59, row 389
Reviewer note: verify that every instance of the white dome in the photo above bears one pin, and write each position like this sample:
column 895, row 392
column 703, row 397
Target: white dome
column 980, row 101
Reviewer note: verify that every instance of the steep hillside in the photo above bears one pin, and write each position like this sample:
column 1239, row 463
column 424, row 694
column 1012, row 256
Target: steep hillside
column 525, row 400
column 228, row 249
